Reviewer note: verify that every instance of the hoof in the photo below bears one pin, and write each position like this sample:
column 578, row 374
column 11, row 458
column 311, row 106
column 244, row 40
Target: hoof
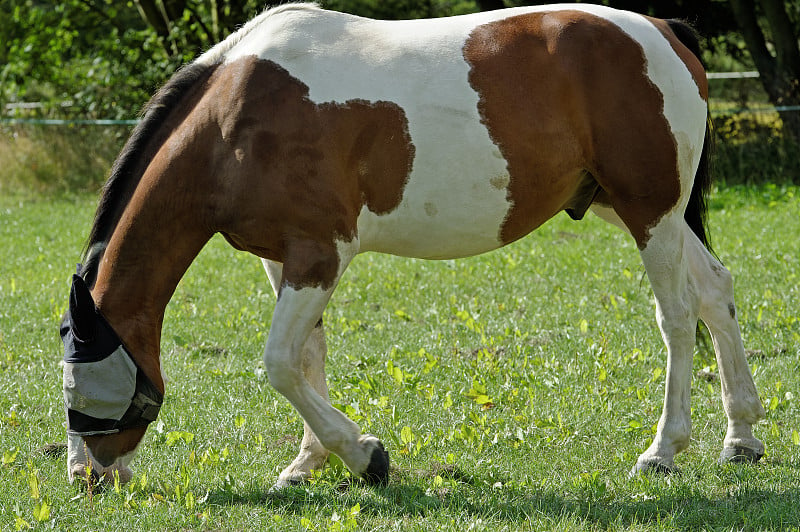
column 283, row 483
column 654, row 467
column 377, row 472
column 740, row 455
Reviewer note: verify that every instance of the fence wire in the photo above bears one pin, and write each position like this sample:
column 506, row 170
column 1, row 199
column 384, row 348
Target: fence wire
column 766, row 111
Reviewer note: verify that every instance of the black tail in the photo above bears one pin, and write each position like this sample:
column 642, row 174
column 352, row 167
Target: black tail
column 697, row 208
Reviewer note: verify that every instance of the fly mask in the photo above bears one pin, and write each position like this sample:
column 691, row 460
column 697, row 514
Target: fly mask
column 105, row 391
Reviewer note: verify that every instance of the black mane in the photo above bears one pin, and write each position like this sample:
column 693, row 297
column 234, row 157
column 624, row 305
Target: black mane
column 139, row 150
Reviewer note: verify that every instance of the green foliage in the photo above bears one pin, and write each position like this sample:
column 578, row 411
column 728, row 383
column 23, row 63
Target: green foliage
column 401, row 9
column 57, row 159
column 752, row 151
column 79, row 61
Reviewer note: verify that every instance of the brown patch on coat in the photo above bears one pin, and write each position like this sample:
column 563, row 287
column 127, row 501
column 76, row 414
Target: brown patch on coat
column 249, row 155
column 564, row 94
column 295, row 174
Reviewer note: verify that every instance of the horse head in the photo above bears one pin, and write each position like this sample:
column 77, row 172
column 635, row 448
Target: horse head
column 109, row 400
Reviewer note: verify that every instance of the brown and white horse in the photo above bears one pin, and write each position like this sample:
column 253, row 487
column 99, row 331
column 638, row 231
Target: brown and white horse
column 310, row 136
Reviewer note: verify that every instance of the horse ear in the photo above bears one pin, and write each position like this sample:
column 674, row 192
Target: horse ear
column 82, row 310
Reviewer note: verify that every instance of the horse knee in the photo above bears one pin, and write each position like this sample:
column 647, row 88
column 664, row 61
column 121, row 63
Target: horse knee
column 283, row 375
column 677, row 319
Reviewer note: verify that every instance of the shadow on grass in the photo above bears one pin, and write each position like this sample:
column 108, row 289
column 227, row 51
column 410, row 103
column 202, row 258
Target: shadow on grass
column 681, row 506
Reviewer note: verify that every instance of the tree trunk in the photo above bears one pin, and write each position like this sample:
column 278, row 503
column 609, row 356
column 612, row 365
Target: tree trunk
column 780, row 73
column 155, row 14
column 166, row 15
column 154, row 17
column 787, row 78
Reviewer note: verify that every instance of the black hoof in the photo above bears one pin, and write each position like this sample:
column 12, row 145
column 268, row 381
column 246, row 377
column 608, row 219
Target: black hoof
column 739, row 455
column 377, row 473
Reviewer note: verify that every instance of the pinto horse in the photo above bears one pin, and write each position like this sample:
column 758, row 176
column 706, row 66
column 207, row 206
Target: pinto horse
column 310, row 136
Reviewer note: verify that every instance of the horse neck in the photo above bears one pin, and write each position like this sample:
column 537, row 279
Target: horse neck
column 155, row 241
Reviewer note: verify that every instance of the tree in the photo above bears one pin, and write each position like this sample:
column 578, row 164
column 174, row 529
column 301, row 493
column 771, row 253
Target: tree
column 185, row 28
column 770, row 30
column 97, row 57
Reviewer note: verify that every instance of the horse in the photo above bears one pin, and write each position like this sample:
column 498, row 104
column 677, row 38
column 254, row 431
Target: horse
column 310, row 136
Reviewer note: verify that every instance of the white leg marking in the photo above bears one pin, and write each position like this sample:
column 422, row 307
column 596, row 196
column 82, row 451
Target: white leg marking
column 717, row 310
column 312, row 455
column 296, row 314
column 677, row 311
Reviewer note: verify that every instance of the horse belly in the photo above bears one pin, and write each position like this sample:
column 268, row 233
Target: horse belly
column 452, row 206
column 455, row 199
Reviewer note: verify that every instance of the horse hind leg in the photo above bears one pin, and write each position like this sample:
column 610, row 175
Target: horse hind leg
column 688, row 283
column 740, row 399
column 312, row 455
column 677, row 311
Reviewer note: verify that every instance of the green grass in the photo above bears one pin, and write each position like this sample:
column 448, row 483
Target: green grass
column 513, row 390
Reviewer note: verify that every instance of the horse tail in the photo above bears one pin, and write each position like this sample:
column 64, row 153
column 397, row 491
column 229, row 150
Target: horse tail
column 697, row 208
column 696, row 214
column 145, row 140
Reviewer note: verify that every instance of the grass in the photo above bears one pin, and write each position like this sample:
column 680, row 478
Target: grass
column 513, row 390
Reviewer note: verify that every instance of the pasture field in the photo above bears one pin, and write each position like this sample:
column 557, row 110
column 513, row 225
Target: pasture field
column 513, row 390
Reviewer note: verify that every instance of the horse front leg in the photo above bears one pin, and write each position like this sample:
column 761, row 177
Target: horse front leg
column 312, row 455
column 293, row 365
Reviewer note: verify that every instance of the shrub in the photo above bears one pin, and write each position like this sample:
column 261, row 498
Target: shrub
column 73, row 158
